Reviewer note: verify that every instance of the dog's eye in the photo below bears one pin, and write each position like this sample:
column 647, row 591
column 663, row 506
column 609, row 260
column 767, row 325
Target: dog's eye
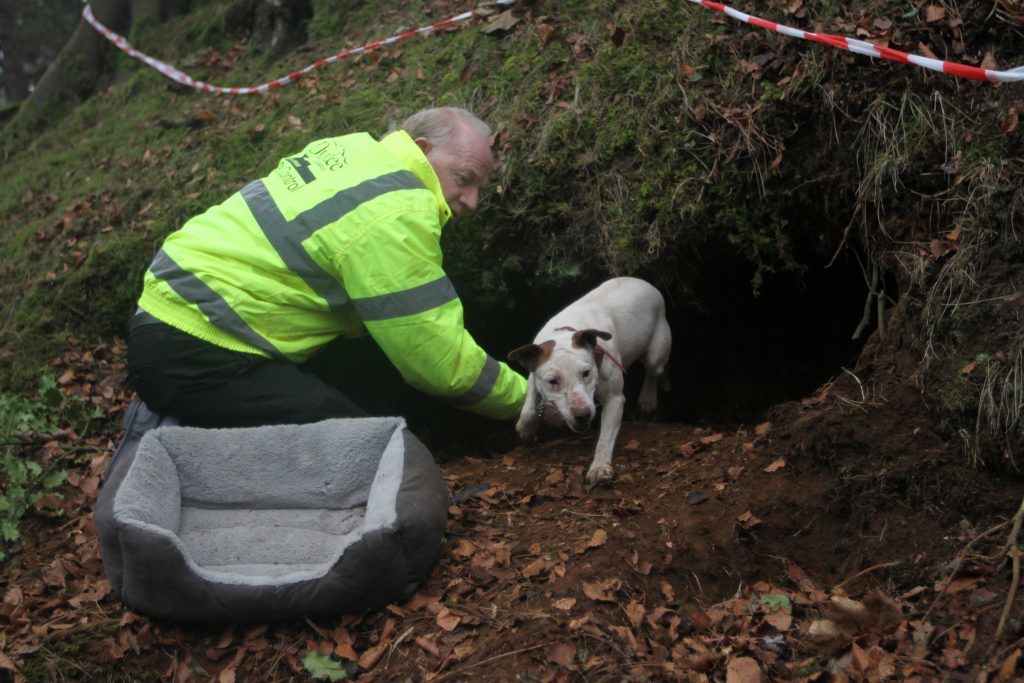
column 553, row 382
column 586, row 374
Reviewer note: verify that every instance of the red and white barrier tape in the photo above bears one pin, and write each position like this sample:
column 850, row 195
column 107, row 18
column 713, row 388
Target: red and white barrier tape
column 862, row 47
column 850, row 44
column 184, row 79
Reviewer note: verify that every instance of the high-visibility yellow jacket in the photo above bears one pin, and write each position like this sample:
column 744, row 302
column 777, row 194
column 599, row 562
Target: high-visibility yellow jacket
column 340, row 239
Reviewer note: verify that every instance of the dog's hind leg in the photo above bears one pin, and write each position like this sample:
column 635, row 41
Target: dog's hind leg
column 655, row 361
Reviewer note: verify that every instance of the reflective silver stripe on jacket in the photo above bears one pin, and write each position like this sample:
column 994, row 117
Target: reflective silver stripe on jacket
column 192, row 289
column 406, row 302
column 483, row 385
column 288, row 245
column 287, row 236
column 420, row 299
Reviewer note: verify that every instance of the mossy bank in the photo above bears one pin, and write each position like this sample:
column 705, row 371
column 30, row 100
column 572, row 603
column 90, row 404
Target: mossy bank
column 752, row 177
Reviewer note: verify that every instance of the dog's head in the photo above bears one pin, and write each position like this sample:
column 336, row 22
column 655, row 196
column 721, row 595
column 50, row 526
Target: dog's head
column 565, row 373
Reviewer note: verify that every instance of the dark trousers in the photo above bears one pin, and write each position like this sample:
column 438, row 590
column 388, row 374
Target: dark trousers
column 205, row 385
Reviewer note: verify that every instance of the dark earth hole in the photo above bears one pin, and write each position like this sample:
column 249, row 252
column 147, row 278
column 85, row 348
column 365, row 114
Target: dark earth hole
column 742, row 352
column 734, row 355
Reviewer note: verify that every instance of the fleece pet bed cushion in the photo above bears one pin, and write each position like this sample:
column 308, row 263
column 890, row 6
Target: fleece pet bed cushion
column 271, row 522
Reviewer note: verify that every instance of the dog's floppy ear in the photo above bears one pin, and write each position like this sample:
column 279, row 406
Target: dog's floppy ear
column 529, row 357
column 588, row 338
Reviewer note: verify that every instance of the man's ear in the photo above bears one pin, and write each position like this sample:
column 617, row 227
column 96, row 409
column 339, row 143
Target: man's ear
column 423, row 144
column 530, row 357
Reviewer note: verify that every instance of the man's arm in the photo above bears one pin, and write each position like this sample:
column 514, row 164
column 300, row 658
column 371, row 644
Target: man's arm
column 393, row 273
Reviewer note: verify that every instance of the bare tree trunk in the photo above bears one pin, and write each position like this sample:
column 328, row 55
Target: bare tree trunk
column 158, row 10
column 77, row 69
column 280, row 25
column 16, row 81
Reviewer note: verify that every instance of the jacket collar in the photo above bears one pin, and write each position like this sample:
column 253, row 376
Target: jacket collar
column 403, row 148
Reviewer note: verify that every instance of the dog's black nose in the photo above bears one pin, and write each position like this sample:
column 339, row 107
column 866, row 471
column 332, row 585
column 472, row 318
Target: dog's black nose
column 581, row 422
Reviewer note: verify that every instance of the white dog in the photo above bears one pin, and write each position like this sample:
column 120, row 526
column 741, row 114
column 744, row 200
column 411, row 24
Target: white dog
column 582, row 353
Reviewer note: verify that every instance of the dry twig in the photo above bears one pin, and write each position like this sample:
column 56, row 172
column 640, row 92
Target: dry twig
column 1010, row 595
column 491, row 659
column 1011, row 540
column 862, row 572
column 959, row 563
column 1014, row 553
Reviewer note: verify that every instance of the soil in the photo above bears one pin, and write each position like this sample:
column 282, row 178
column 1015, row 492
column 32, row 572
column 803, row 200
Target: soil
column 709, row 557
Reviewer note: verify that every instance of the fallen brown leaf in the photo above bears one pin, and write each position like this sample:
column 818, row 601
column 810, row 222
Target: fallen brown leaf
column 940, row 248
column 370, row 657
column 7, row 664
column 599, row 538
column 1009, row 124
column 564, row 604
column 934, row 13
column 561, row 654
column 635, row 613
column 421, row 600
column 548, row 33
column 781, row 620
column 814, row 400
column 447, row 620
column 686, row 450
column 959, row 585
column 500, row 23
column 428, row 646
column 602, row 591
column 747, row 520
column 1009, row 666
column 742, row 670
column 536, row 568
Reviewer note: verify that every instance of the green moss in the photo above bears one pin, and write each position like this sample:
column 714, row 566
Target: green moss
column 75, row 658
column 98, row 298
column 143, row 30
column 347, row 19
column 204, row 27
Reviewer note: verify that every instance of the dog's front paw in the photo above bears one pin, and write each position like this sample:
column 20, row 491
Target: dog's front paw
column 527, row 429
column 599, row 473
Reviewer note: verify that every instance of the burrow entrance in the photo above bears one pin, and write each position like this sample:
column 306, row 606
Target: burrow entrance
column 735, row 353
column 738, row 352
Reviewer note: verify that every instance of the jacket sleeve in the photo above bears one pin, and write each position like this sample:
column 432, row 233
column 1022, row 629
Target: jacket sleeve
column 392, row 272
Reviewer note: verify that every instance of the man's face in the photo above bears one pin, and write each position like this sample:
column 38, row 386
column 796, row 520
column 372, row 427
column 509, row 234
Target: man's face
column 464, row 166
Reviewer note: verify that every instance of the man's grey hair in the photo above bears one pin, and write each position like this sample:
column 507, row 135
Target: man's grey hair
column 437, row 125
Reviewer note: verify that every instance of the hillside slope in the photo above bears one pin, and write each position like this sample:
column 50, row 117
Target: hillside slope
column 784, row 196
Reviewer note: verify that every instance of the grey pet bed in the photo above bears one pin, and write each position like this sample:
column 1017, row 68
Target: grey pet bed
column 270, row 522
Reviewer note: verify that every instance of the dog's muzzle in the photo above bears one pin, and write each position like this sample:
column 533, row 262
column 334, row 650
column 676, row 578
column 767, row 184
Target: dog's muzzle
column 580, row 423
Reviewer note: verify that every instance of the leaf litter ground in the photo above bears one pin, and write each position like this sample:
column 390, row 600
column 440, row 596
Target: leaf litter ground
column 827, row 540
